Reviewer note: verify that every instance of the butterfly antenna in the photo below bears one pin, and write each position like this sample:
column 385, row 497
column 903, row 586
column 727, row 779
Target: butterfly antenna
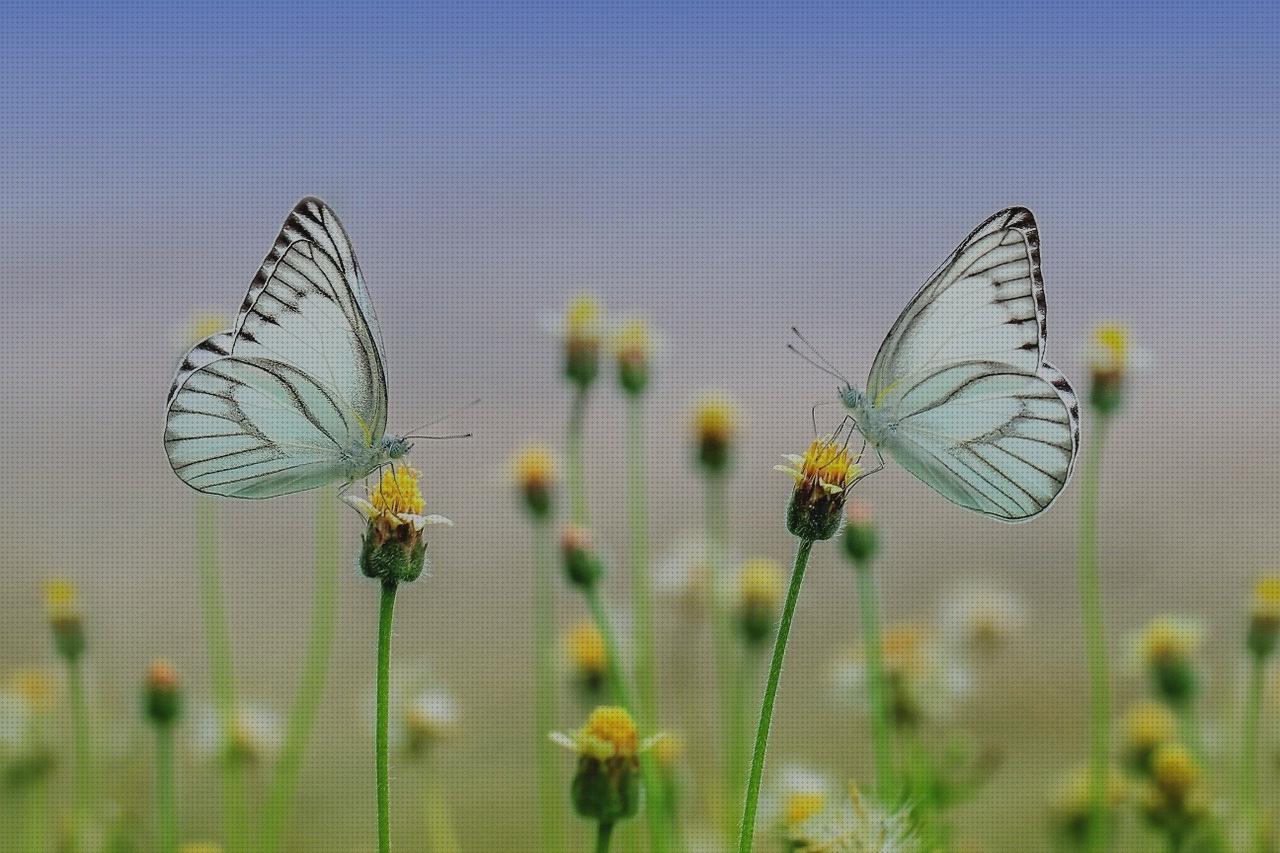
column 809, row 360
column 817, row 355
column 452, row 414
column 442, row 437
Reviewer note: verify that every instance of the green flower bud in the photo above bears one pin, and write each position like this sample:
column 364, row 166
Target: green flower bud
column 582, row 566
column 162, row 698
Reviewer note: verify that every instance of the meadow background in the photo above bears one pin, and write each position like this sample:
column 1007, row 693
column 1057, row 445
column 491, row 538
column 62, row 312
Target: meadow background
column 726, row 170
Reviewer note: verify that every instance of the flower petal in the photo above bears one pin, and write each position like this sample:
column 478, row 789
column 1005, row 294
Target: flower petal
column 360, row 505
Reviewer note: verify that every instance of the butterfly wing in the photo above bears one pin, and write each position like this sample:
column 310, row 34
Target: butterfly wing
column 972, row 409
column 253, row 427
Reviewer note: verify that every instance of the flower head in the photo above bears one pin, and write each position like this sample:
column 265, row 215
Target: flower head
column 1264, row 620
column 162, row 696
column 854, row 825
column 26, row 698
column 393, row 549
column 533, row 470
column 823, row 477
column 588, row 657
column 429, row 717
column 1110, row 356
column 1166, row 649
column 582, row 329
column 1073, row 801
column 981, row 618
column 922, row 681
column 62, row 607
column 582, row 564
column 606, row 786
column 1147, row 726
column 795, row 795
column 633, row 348
column 715, row 426
column 256, row 734
column 760, row 591
column 1175, row 799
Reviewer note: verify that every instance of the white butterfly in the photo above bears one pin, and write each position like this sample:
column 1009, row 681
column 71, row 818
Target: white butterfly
column 960, row 394
column 294, row 396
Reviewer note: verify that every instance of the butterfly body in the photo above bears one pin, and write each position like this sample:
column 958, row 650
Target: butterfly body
column 959, row 393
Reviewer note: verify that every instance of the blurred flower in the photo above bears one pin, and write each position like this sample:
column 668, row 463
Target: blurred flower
column 685, row 576
column 606, row 786
column 25, row 702
column 1109, row 355
column 715, row 426
column 861, row 540
column 428, row 718
column 633, row 348
column 62, row 607
column 581, row 330
column 1073, row 802
column 588, row 657
column 582, row 565
column 1175, row 798
column 921, row 681
column 393, row 548
column 793, row 796
column 1147, row 726
column 823, row 478
column 854, row 825
column 981, row 619
column 533, row 470
column 1165, row 649
column 1264, row 619
column 162, row 696
column 256, row 736
column 422, row 711
column 667, row 750
column 760, row 591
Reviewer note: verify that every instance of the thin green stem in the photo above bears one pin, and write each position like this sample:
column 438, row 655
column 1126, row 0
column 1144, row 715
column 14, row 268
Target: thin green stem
column 315, row 670
column 1095, row 642
column 166, row 806
column 385, row 611
column 1249, row 763
column 577, row 476
column 217, row 637
column 748, row 827
column 441, row 835
column 83, row 768
column 717, row 533
column 550, row 797
column 921, row 776
column 881, row 732
column 34, row 816
column 603, row 834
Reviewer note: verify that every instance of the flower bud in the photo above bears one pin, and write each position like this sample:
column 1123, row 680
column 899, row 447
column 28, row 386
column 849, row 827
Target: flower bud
column 1147, row 727
column 760, row 589
column 65, row 620
column 823, row 478
column 582, row 565
column 588, row 657
column 534, row 472
column 1264, row 621
column 1167, row 648
column 633, row 348
column 606, row 785
column 582, row 341
column 715, row 426
column 1109, row 357
column 861, row 539
column 162, row 697
column 393, row 549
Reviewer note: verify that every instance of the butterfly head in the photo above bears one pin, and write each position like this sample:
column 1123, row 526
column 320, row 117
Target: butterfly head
column 394, row 447
column 854, row 399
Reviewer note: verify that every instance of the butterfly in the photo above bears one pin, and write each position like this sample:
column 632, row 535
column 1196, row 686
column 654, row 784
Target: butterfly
column 294, row 395
column 959, row 393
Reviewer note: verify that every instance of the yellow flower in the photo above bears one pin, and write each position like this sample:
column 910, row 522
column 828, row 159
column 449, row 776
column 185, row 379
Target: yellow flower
column 582, row 332
column 1148, row 725
column 606, row 786
column 398, row 493
column 802, row 805
column 633, row 341
column 823, row 477
column 1264, row 623
column 1073, row 800
column 393, row 548
column 61, row 600
column 1174, row 770
column 1167, row 639
column 33, row 686
column 608, row 733
column 715, row 426
column 587, row 652
column 760, row 584
column 794, row 795
column 854, row 824
column 533, row 470
column 668, row 749
column 1109, row 349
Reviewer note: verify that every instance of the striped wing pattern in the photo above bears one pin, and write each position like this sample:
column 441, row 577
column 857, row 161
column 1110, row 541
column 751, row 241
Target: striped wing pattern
column 973, row 410
column 273, row 405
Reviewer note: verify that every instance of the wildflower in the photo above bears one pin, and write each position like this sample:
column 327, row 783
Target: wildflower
column 823, row 478
column 760, row 591
column 1175, row 798
column 633, row 348
column 582, row 332
column 606, row 786
column 1165, row 649
column 685, row 577
column 667, row 750
column 582, row 565
column 1109, row 355
column 63, row 611
column 1073, row 802
column 920, row 681
column 1264, row 621
column 794, row 796
column 981, row 619
column 25, row 699
column 853, row 825
column 715, row 426
column 428, row 719
column 588, row 657
column 534, row 472
column 393, row 549
column 861, row 540
column 162, row 698
column 1148, row 726
column 256, row 735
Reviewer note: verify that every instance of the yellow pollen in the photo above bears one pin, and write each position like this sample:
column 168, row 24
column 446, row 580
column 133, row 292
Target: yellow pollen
column 802, row 805
column 1266, row 597
column 613, row 726
column 828, row 464
column 582, row 319
column 586, row 648
column 715, row 419
column 760, row 584
column 398, row 492
column 60, row 599
column 535, row 467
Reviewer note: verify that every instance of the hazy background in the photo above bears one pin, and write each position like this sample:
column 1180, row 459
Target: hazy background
column 726, row 169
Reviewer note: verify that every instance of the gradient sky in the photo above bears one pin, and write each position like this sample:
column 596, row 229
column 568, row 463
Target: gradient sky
column 729, row 169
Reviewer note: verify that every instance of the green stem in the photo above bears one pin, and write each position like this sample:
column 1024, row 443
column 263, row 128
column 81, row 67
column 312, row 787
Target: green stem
column 385, row 609
column 83, row 764
column 166, row 808
column 748, row 827
column 577, row 477
column 549, row 790
column 881, row 732
column 1249, row 764
column 217, row 636
column 717, row 533
column 315, row 669
column 34, row 816
column 1095, row 642
column 441, row 836
column 603, row 834
column 921, row 776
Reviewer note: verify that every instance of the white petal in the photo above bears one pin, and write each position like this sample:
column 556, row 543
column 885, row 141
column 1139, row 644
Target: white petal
column 562, row 739
column 360, row 505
